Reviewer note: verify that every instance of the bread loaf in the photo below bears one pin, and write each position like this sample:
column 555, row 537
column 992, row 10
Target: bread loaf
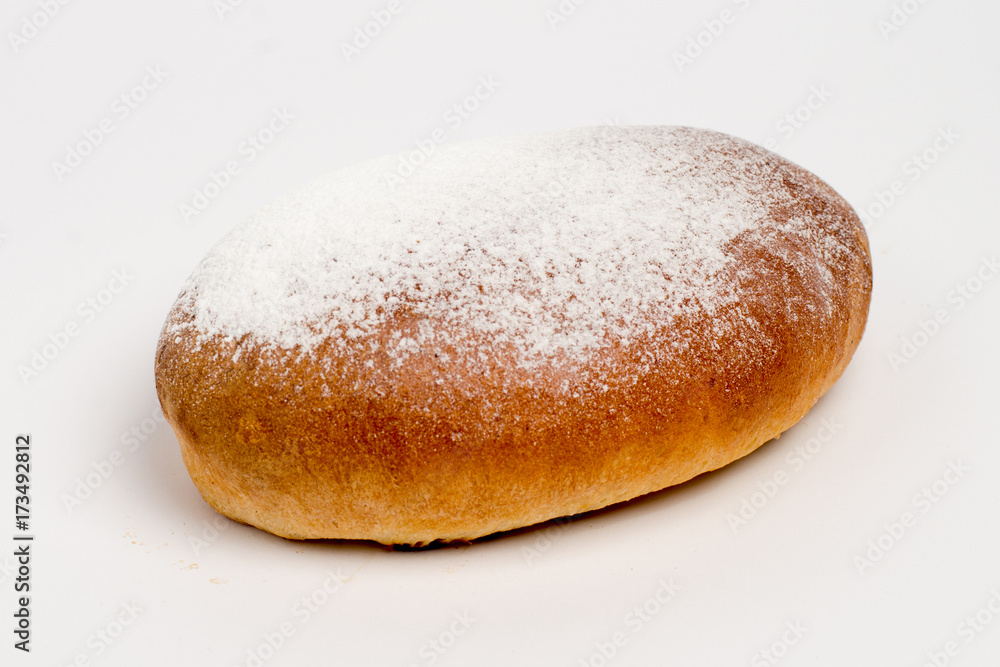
column 514, row 330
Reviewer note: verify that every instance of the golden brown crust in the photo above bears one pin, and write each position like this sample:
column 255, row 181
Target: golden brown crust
column 327, row 445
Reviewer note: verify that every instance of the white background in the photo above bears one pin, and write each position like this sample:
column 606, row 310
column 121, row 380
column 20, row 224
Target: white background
column 211, row 591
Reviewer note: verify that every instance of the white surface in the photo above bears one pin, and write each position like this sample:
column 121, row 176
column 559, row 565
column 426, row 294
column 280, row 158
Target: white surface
column 547, row 596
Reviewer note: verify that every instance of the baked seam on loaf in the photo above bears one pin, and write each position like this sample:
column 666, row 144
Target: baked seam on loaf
column 525, row 328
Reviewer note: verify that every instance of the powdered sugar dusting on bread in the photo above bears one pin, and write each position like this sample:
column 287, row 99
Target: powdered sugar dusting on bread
column 549, row 245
